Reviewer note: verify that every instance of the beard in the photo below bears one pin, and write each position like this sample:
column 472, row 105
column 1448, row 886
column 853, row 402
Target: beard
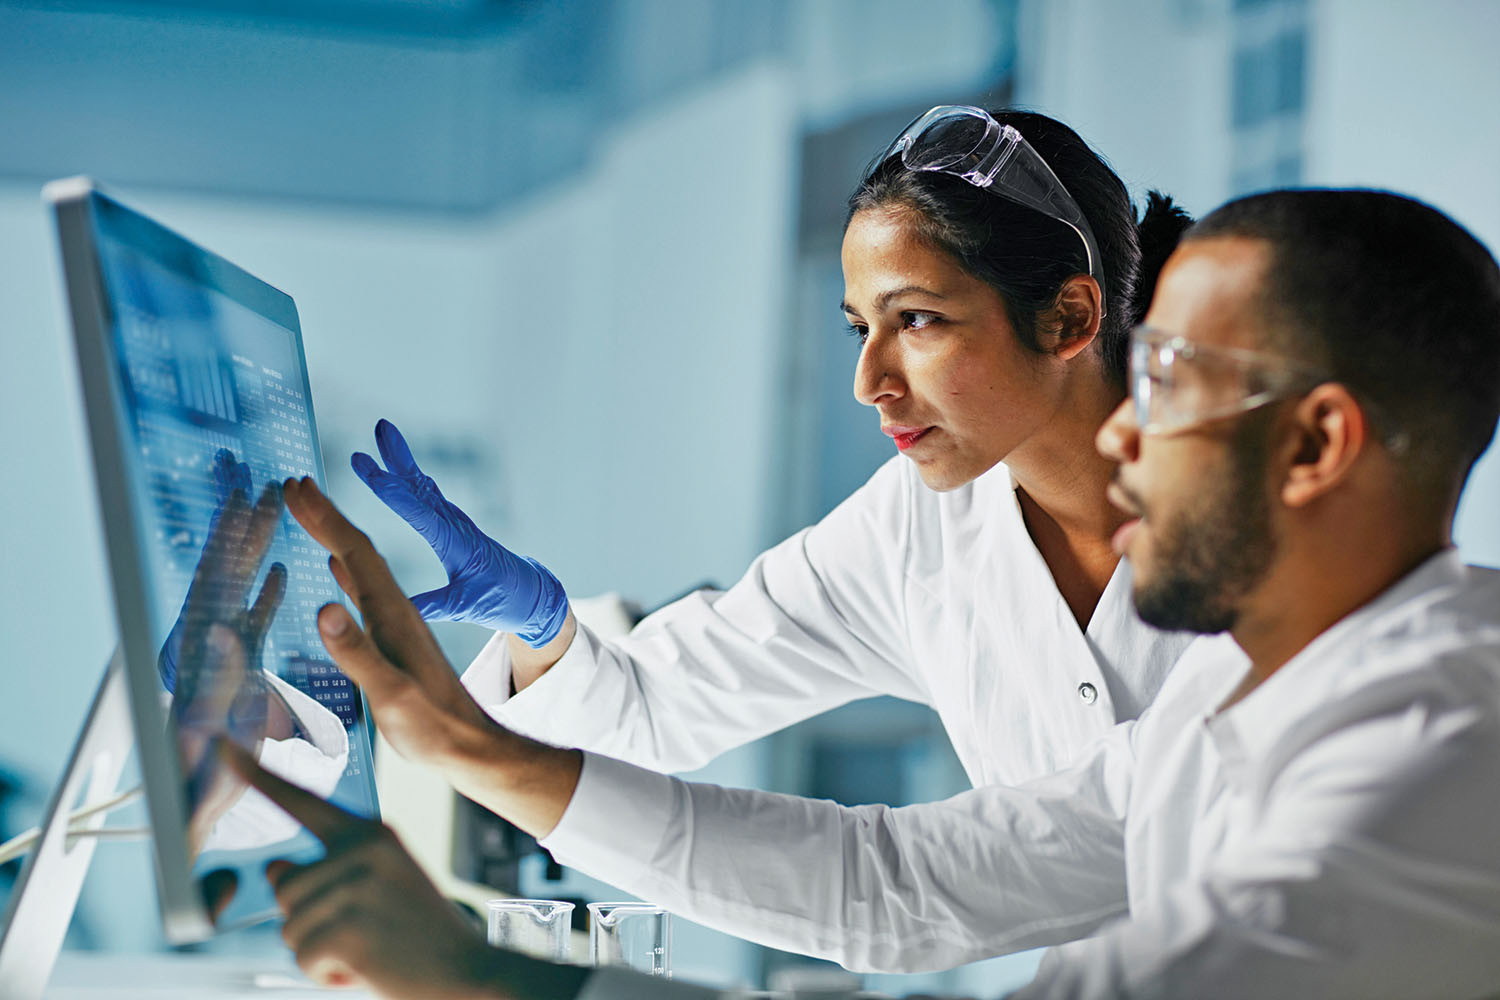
column 1211, row 554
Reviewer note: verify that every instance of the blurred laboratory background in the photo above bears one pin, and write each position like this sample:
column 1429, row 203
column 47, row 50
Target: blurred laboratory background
column 585, row 254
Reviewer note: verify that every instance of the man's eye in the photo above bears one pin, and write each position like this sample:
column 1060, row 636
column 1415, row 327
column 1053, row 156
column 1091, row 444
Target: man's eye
column 917, row 320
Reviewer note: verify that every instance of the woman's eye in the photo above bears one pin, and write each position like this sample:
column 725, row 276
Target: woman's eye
column 917, row 320
column 862, row 332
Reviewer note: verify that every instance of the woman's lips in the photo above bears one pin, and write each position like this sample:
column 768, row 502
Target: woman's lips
column 904, row 437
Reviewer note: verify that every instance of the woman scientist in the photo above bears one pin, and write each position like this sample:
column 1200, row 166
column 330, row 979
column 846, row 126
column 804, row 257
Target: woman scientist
column 992, row 268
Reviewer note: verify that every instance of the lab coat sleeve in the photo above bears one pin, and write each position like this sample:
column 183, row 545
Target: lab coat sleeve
column 873, row 888
column 817, row 621
column 1371, row 873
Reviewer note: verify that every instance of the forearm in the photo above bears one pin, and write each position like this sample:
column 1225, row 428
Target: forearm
column 872, row 888
column 708, row 673
column 527, row 782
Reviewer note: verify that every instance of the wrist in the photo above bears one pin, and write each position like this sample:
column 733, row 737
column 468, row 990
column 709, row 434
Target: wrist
column 528, row 663
column 549, row 614
column 522, row 780
column 474, row 746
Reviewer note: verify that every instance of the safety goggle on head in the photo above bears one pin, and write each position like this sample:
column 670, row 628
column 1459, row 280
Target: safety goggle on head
column 967, row 143
column 1176, row 384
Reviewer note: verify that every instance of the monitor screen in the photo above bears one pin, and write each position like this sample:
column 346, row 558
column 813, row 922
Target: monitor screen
column 197, row 396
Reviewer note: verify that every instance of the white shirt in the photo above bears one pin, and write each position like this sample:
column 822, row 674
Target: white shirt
column 938, row 598
column 1332, row 834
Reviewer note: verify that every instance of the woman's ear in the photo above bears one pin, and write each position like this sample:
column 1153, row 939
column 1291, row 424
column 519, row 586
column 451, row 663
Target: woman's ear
column 1077, row 314
column 1329, row 429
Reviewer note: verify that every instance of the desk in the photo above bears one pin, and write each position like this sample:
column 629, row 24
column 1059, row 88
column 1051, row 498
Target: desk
column 84, row 975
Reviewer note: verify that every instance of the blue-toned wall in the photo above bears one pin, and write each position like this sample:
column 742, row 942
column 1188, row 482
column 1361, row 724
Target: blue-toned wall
column 1388, row 94
column 561, row 264
column 603, row 388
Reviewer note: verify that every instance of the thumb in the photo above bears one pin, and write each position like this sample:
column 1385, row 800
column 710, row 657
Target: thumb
column 437, row 605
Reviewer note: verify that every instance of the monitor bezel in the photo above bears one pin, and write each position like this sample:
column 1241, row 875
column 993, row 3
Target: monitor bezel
column 84, row 215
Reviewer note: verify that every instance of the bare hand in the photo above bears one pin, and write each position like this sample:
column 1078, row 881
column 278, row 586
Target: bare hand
column 413, row 693
column 367, row 915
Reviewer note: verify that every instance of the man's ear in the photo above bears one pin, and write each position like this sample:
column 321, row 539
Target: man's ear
column 1077, row 315
column 1329, row 434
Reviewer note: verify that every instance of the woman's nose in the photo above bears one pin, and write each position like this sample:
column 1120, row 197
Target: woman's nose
column 876, row 379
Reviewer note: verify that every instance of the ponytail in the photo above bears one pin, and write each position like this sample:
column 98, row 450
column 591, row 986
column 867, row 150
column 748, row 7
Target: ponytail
column 1159, row 231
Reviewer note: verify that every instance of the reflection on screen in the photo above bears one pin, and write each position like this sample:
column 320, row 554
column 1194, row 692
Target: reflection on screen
column 216, row 397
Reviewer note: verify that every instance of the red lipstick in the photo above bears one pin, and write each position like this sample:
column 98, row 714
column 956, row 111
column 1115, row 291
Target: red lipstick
column 904, row 437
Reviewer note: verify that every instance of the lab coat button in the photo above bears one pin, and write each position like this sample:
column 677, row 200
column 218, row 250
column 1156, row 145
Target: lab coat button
column 1088, row 693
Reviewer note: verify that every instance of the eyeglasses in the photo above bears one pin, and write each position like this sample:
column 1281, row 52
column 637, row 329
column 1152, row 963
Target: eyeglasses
column 1177, row 384
column 967, row 143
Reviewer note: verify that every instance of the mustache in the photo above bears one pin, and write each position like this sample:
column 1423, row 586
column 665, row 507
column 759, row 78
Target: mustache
column 1125, row 498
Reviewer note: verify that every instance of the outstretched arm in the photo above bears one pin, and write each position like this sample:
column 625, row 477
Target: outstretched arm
column 815, row 623
column 921, row 887
column 876, row 889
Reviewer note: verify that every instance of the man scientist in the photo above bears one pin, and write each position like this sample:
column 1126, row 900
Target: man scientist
column 1304, row 811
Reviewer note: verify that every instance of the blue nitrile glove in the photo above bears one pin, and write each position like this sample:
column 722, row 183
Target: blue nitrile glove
column 229, row 475
column 487, row 583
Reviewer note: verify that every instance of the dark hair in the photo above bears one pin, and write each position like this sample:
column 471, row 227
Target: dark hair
column 1391, row 298
column 1024, row 255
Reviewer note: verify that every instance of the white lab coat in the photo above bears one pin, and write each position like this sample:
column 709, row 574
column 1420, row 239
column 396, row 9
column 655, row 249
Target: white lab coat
column 939, row 598
column 1330, row 835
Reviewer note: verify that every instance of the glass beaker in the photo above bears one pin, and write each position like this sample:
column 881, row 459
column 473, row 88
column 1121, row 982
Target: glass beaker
column 635, row 935
column 541, row 928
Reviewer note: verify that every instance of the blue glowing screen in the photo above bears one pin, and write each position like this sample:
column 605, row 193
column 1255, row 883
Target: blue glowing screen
column 214, row 393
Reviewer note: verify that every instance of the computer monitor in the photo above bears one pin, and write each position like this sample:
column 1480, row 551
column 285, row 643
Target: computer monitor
column 196, row 396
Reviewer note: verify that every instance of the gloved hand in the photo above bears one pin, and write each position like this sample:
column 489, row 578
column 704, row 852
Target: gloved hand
column 487, row 583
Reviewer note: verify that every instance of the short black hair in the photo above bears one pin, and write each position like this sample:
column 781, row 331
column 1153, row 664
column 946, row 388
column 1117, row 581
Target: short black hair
column 1024, row 255
column 1391, row 298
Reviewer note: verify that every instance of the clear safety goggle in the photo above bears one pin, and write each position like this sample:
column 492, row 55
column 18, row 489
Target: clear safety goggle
column 967, row 143
column 1176, row 384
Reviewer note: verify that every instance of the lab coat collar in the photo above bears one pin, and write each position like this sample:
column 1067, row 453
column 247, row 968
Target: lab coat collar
column 1248, row 732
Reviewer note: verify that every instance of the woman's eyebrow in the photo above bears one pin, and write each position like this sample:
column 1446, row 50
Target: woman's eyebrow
column 884, row 298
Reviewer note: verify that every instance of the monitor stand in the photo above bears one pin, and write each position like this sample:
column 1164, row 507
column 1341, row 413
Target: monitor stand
column 42, row 900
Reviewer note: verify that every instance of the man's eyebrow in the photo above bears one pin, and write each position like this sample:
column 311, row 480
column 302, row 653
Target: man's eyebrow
column 884, row 298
